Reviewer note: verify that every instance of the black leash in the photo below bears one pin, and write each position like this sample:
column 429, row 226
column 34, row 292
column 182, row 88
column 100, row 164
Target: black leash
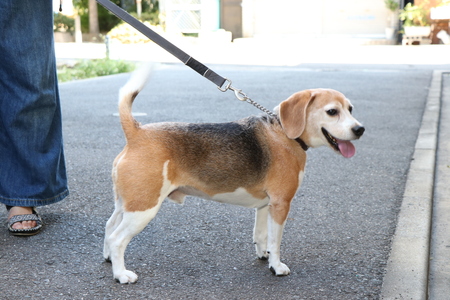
column 222, row 83
column 165, row 44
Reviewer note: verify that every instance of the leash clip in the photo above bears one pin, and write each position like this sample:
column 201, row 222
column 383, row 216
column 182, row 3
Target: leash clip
column 240, row 95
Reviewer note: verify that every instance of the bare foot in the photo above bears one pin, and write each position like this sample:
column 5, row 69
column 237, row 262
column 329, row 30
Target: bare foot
column 18, row 210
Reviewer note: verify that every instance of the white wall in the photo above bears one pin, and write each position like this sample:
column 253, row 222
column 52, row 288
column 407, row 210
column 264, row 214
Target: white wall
column 314, row 17
column 354, row 17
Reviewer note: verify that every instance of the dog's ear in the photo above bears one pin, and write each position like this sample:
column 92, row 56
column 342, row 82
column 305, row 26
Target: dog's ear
column 292, row 113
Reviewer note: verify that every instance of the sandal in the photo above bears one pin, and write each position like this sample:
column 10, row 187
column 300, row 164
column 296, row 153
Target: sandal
column 20, row 218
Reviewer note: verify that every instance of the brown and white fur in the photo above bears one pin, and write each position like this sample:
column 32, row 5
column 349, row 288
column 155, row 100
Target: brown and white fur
column 256, row 162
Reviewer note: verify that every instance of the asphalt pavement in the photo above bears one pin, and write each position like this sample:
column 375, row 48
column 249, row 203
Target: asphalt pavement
column 371, row 227
column 419, row 262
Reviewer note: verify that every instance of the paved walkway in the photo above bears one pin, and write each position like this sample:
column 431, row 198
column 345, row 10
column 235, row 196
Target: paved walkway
column 262, row 52
column 419, row 264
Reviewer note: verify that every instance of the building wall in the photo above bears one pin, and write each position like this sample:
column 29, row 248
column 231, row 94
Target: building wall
column 284, row 17
column 231, row 17
column 366, row 17
column 313, row 18
column 190, row 16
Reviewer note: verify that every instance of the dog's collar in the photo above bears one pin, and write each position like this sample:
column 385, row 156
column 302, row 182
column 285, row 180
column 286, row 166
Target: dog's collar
column 298, row 140
column 302, row 144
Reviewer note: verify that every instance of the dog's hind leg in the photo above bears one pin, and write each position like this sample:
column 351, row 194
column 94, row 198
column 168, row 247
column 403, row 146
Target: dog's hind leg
column 260, row 232
column 132, row 223
column 111, row 225
column 116, row 216
column 137, row 205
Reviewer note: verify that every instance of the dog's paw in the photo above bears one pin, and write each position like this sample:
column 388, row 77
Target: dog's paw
column 126, row 277
column 280, row 270
column 107, row 256
column 106, row 253
column 263, row 255
column 261, row 252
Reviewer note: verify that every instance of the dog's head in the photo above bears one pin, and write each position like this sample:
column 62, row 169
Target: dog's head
column 321, row 117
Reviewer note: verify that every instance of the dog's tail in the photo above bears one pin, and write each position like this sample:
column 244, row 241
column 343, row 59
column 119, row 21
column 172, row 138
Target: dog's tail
column 127, row 95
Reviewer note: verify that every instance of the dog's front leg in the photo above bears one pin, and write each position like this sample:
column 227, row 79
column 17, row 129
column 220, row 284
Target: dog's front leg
column 260, row 232
column 276, row 221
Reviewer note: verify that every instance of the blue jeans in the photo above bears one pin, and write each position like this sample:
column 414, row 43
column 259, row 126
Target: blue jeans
column 32, row 166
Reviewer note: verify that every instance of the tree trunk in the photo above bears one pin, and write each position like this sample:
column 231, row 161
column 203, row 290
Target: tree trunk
column 139, row 8
column 93, row 18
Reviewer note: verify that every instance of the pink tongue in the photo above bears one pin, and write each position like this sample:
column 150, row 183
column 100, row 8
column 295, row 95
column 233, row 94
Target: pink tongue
column 346, row 147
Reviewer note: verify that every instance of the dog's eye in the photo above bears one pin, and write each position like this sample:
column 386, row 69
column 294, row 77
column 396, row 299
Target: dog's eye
column 350, row 109
column 332, row 112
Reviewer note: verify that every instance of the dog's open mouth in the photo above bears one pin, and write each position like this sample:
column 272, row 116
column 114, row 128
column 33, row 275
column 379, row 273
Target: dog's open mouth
column 346, row 148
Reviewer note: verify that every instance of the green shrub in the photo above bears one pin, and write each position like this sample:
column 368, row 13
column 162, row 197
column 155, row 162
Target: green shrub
column 63, row 23
column 107, row 21
column 93, row 68
column 150, row 17
column 127, row 34
column 413, row 15
column 392, row 5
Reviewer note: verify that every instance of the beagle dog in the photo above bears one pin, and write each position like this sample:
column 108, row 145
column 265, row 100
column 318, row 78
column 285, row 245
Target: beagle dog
column 257, row 162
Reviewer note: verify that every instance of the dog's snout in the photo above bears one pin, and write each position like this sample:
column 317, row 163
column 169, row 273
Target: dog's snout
column 358, row 130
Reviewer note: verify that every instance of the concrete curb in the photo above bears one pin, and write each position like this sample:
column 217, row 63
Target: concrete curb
column 439, row 273
column 408, row 265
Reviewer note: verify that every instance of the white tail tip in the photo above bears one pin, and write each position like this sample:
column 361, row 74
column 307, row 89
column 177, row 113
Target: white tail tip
column 137, row 80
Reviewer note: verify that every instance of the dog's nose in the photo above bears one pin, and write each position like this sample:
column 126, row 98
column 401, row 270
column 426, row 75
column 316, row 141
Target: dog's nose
column 358, row 130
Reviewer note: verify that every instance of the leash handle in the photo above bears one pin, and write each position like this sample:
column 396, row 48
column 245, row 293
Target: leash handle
column 165, row 44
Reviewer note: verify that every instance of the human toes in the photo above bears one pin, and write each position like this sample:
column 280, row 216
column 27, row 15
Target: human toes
column 24, row 225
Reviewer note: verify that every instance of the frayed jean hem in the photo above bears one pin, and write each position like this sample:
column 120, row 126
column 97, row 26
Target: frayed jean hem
column 34, row 202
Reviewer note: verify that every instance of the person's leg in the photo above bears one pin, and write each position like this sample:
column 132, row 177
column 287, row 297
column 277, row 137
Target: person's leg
column 32, row 167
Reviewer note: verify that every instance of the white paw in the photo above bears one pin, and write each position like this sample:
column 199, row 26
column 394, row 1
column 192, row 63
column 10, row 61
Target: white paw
column 126, row 277
column 106, row 255
column 280, row 269
column 263, row 255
